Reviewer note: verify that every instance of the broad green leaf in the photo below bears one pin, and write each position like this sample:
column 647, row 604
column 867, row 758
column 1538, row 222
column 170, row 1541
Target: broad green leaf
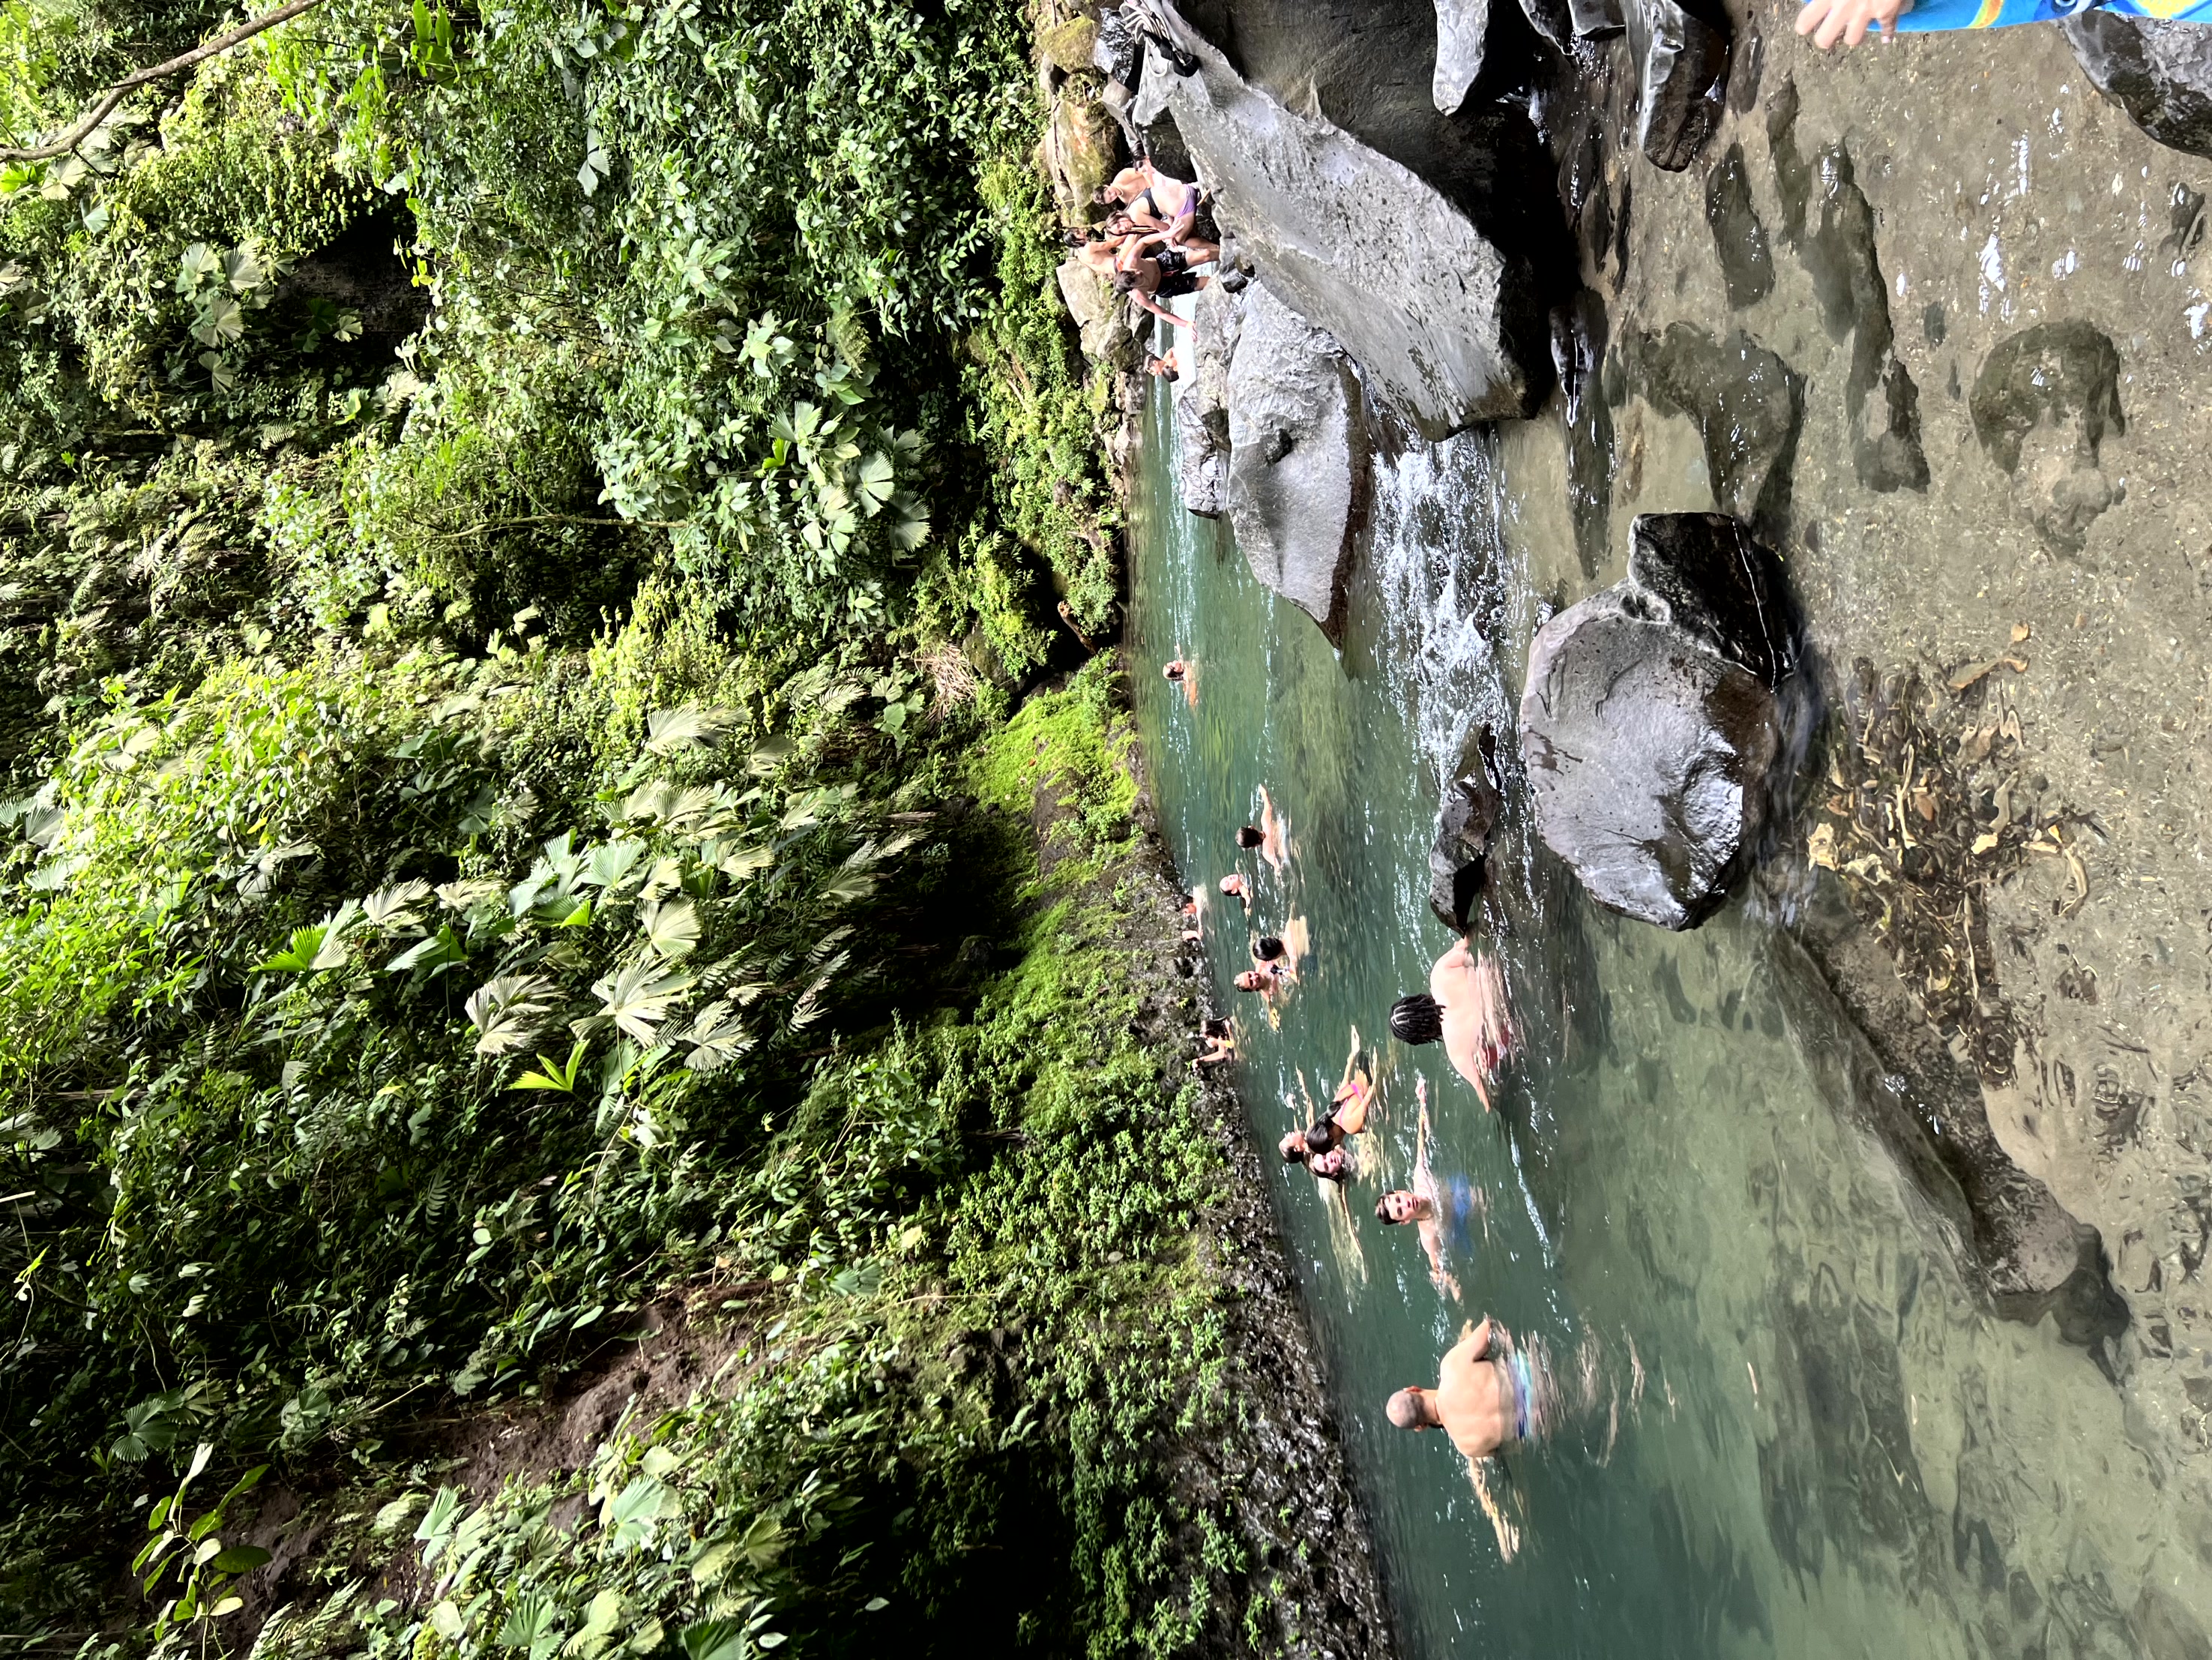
column 240, row 1558
column 531, row 1617
column 440, row 951
column 553, row 1075
column 715, row 1639
column 611, row 865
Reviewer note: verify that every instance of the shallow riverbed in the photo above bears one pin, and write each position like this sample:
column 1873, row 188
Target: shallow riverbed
column 1797, row 1431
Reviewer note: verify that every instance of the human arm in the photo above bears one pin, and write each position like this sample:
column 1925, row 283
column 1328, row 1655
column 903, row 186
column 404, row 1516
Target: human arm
column 1509, row 1536
column 1848, row 21
column 1432, row 1242
column 1167, row 316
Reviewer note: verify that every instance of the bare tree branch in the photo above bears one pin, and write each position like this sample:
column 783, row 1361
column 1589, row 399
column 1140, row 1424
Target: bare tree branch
column 222, row 43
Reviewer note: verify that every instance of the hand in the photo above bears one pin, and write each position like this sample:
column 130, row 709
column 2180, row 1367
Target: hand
column 1848, row 21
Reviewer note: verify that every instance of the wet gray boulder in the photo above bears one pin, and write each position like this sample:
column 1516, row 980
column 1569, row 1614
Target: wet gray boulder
column 2160, row 73
column 1361, row 245
column 1684, row 77
column 1299, row 456
column 1649, row 722
column 1461, row 27
column 1119, row 46
column 1202, row 400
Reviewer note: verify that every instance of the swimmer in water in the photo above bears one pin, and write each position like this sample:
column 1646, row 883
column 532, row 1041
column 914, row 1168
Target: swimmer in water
column 1263, row 979
column 1485, row 1397
column 1274, row 834
column 1221, row 1044
column 1466, row 1006
column 1174, row 671
column 1238, row 888
column 1431, row 1206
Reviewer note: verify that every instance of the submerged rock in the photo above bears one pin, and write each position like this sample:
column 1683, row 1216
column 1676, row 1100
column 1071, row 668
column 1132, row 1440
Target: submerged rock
column 1462, row 26
column 1578, row 340
column 1749, row 406
column 1684, row 77
column 1360, row 245
column 2160, row 73
column 1650, row 722
column 1299, row 460
column 1738, row 238
column 1458, row 863
column 1839, row 254
column 1202, row 400
column 2042, row 405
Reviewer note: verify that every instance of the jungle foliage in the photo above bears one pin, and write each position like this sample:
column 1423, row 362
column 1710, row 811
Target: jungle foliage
column 524, row 533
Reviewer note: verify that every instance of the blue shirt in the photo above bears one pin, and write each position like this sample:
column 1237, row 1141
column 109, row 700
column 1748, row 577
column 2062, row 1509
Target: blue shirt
column 1928, row 15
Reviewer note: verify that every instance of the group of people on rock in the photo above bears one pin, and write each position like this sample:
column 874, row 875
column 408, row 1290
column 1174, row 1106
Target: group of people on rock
column 1488, row 1392
column 1156, row 236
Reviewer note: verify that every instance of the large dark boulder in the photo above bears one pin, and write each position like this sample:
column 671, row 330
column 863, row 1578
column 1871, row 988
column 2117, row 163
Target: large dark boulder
column 2160, row 73
column 1650, row 722
column 1685, row 60
column 1359, row 243
column 1299, row 456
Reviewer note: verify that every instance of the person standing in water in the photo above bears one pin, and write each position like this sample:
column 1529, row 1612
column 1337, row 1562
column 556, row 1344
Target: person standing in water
column 1486, row 1396
column 1433, row 1206
column 1466, row 1006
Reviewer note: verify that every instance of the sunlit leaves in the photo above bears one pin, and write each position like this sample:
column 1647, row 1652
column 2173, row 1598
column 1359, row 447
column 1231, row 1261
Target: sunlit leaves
column 717, row 1037
column 396, row 905
column 509, row 1011
column 638, row 997
column 555, row 1074
column 671, row 927
column 690, row 727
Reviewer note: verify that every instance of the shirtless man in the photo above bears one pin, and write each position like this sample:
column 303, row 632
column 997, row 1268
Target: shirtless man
column 1466, row 1006
column 1482, row 1401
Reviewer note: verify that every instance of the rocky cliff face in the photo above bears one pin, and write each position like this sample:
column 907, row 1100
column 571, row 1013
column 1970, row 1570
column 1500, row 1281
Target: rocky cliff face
column 1441, row 321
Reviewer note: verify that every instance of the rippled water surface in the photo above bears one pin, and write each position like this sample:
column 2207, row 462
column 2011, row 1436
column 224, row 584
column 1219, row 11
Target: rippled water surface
column 1795, row 1430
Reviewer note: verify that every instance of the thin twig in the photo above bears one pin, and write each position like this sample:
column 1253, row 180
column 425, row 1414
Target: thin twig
column 222, row 43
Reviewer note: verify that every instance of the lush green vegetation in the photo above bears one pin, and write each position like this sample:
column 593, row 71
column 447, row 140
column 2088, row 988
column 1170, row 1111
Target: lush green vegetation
column 523, row 534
